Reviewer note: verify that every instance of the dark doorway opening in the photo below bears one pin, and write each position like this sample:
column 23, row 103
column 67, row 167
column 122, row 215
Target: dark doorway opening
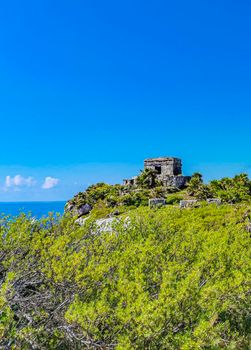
column 158, row 169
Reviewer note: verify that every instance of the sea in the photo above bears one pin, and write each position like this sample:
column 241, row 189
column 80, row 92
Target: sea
column 35, row 209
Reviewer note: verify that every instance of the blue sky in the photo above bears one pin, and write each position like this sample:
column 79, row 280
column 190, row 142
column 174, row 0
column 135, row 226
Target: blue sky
column 88, row 89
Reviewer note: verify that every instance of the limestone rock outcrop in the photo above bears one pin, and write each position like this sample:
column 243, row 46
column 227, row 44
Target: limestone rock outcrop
column 78, row 211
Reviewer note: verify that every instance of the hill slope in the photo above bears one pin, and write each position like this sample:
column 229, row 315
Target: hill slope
column 171, row 279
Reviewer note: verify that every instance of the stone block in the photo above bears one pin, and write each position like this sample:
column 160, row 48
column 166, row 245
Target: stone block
column 188, row 203
column 214, row 201
column 156, row 202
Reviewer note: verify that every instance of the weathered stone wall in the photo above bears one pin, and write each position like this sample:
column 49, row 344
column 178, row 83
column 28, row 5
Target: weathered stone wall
column 156, row 202
column 169, row 172
column 188, row 203
column 166, row 166
column 176, row 181
column 130, row 182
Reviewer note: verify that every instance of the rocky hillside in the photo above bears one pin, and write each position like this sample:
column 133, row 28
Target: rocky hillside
column 103, row 200
column 111, row 200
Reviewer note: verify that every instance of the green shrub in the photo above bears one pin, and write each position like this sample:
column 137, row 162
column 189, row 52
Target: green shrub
column 147, row 179
column 136, row 198
column 174, row 198
column 197, row 189
column 232, row 190
column 166, row 279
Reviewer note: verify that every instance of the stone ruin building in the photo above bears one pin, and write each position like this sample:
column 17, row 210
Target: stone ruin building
column 168, row 170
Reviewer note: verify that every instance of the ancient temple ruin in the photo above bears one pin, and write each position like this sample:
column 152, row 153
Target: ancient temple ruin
column 168, row 171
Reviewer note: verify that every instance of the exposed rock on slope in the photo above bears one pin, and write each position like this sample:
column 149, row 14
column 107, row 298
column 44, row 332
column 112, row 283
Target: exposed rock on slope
column 76, row 210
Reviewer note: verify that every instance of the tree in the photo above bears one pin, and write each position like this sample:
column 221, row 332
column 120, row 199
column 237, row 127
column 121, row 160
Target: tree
column 197, row 188
column 232, row 190
column 147, row 179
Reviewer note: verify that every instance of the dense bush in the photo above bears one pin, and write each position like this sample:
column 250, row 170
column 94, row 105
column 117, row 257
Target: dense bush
column 232, row 190
column 197, row 189
column 147, row 179
column 136, row 198
column 229, row 190
column 174, row 198
column 111, row 196
column 166, row 279
column 97, row 192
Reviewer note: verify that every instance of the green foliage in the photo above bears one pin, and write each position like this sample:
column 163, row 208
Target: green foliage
column 162, row 191
column 167, row 279
column 196, row 188
column 235, row 190
column 147, row 179
column 101, row 191
column 229, row 190
column 101, row 210
column 95, row 193
column 174, row 198
column 136, row 198
column 103, row 197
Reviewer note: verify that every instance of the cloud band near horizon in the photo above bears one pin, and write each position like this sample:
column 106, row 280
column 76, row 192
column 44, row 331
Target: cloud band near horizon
column 18, row 182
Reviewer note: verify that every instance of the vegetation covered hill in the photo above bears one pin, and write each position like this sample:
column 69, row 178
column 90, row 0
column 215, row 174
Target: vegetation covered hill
column 107, row 200
column 167, row 279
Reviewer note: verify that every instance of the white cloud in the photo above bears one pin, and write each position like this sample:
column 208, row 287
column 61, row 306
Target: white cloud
column 50, row 182
column 19, row 181
column 8, row 181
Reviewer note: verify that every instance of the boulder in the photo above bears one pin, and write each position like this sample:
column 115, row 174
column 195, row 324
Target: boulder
column 68, row 207
column 79, row 211
column 105, row 225
column 84, row 209
column 188, row 203
column 214, row 201
column 81, row 221
column 248, row 227
column 109, row 224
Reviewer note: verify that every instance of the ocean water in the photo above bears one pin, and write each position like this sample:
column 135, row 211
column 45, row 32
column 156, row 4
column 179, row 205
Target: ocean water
column 36, row 209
